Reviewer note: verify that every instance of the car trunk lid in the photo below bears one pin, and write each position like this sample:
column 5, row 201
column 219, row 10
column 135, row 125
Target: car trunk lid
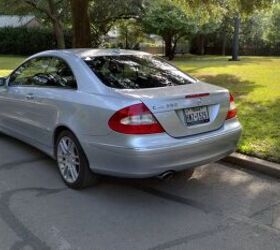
column 185, row 110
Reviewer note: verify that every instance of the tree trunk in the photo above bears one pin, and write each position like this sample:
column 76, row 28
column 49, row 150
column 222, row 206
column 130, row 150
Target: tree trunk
column 126, row 40
column 59, row 34
column 168, row 47
column 201, row 45
column 173, row 50
column 53, row 14
column 235, row 42
column 224, row 43
column 81, row 24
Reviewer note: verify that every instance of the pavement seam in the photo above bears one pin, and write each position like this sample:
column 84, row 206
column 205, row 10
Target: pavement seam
column 230, row 221
column 188, row 238
column 264, row 209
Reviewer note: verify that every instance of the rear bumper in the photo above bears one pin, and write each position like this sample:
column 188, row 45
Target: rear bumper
column 162, row 153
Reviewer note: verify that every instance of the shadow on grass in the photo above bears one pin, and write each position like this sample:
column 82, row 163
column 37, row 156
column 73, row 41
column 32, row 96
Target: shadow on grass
column 238, row 87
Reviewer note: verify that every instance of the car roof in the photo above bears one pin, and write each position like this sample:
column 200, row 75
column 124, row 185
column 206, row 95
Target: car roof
column 84, row 53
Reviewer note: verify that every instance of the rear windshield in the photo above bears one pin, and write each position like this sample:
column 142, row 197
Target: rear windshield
column 136, row 72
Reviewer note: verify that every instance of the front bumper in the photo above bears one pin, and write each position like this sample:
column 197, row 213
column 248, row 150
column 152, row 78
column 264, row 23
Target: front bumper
column 161, row 152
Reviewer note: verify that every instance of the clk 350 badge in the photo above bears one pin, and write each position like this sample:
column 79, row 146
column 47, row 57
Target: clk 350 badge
column 167, row 106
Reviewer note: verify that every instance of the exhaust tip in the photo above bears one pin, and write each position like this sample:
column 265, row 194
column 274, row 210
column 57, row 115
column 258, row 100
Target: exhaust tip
column 166, row 175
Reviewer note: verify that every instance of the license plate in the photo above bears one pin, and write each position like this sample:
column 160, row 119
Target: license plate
column 197, row 115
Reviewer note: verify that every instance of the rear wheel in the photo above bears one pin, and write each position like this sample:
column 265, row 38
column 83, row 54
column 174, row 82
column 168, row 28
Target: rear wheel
column 72, row 162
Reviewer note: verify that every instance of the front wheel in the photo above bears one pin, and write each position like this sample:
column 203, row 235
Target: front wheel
column 72, row 162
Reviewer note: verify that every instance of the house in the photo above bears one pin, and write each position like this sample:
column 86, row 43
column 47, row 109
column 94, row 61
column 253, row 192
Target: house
column 14, row 21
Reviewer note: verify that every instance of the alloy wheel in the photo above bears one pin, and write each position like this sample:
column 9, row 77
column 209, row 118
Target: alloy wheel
column 68, row 159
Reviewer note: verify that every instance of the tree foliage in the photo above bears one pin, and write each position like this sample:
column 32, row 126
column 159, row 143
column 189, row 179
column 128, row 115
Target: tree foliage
column 173, row 20
column 252, row 31
column 130, row 33
column 272, row 31
column 236, row 9
column 104, row 16
column 167, row 19
column 208, row 20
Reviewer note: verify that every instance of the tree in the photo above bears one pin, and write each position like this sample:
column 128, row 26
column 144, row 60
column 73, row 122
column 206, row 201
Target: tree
column 91, row 19
column 207, row 22
column 238, row 9
column 253, row 29
column 167, row 19
column 52, row 9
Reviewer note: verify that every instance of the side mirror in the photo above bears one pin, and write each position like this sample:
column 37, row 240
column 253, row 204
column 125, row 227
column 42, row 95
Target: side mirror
column 2, row 81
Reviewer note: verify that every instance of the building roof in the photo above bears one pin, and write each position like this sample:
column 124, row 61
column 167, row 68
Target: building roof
column 15, row 21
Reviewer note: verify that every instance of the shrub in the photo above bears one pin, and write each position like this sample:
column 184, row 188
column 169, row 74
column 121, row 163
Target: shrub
column 27, row 41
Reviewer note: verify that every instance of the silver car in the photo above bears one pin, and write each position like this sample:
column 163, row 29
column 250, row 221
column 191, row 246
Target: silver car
column 116, row 112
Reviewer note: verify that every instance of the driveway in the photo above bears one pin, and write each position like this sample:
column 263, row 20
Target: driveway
column 219, row 208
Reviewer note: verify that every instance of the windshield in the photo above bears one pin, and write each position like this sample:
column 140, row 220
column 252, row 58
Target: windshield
column 136, row 72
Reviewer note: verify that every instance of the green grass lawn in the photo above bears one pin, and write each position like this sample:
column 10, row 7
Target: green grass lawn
column 8, row 63
column 255, row 83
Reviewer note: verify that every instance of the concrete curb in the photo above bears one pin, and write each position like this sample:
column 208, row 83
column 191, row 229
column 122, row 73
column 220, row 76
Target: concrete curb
column 255, row 164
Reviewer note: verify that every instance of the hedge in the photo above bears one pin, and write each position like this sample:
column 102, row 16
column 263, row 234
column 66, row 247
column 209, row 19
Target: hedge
column 27, row 41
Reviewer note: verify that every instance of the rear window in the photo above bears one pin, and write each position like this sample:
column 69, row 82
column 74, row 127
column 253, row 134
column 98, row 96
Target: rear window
column 136, row 72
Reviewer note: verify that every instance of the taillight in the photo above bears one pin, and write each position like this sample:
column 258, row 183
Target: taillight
column 232, row 108
column 135, row 119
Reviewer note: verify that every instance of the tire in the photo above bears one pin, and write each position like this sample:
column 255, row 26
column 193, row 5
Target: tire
column 72, row 162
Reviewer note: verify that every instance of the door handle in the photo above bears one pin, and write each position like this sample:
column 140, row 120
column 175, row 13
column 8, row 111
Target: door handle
column 29, row 96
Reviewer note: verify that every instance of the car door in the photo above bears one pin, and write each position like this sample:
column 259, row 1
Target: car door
column 53, row 95
column 35, row 95
column 20, row 107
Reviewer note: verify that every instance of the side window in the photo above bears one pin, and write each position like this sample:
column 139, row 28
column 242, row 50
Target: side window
column 62, row 75
column 31, row 73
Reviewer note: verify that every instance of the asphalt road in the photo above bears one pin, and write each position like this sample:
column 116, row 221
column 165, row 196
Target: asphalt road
column 219, row 208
